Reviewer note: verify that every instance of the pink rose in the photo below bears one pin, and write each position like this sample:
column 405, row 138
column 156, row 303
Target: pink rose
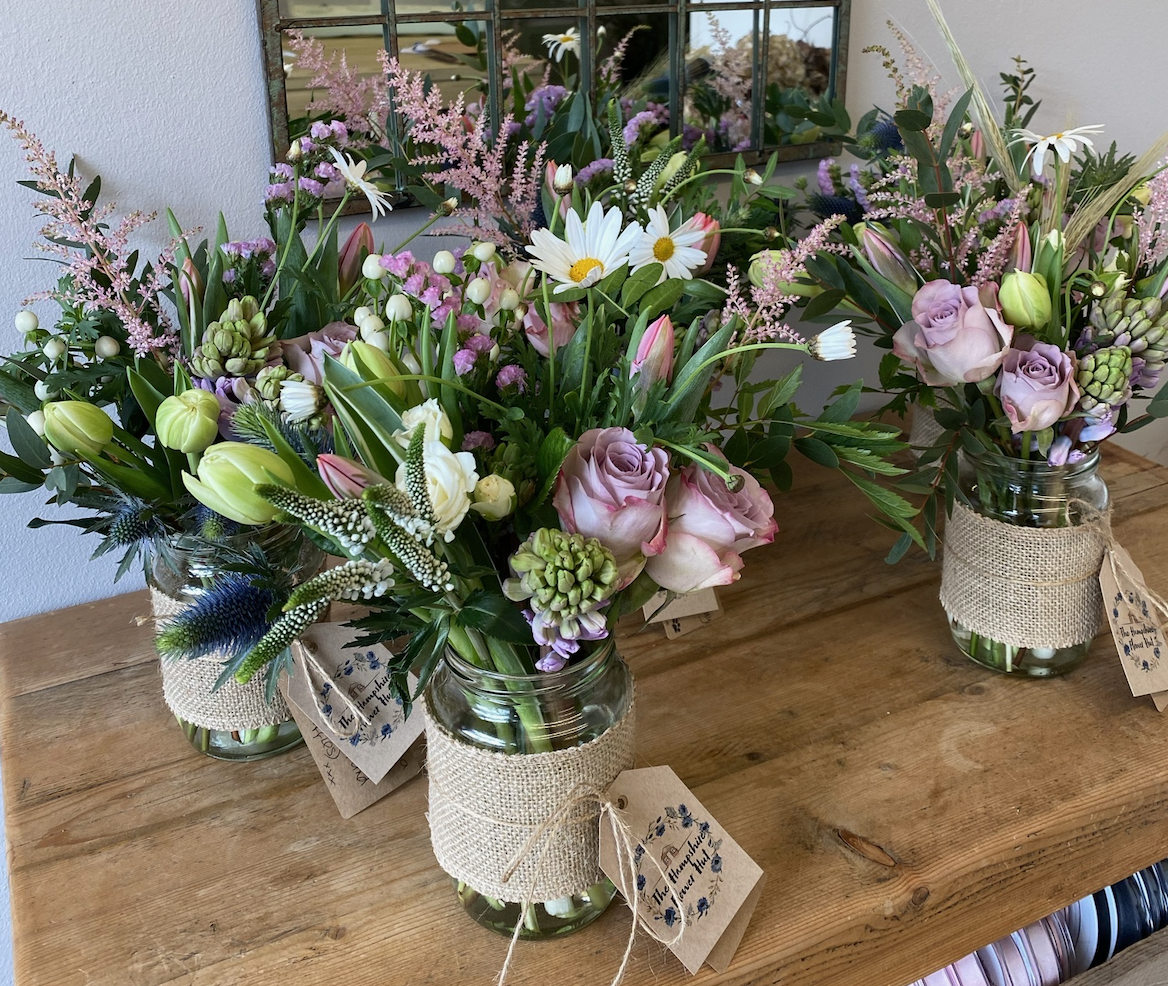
column 709, row 528
column 1036, row 385
column 612, row 488
column 953, row 337
column 564, row 315
column 305, row 354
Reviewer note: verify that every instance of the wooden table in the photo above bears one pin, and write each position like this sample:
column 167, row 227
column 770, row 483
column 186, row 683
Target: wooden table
column 907, row 806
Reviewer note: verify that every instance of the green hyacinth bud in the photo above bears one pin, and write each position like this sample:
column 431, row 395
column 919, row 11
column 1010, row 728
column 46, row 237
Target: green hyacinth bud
column 1025, row 300
column 271, row 378
column 77, row 428
column 236, row 345
column 561, row 575
column 1104, row 377
column 188, row 422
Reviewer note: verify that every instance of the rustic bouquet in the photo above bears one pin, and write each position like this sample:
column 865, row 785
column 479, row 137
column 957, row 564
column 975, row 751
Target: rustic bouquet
column 1020, row 289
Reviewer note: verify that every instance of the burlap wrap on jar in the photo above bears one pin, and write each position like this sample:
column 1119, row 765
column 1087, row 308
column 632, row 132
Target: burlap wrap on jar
column 1024, row 586
column 188, row 686
column 485, row 806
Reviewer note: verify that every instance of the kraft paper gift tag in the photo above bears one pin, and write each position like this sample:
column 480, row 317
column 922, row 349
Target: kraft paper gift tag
column 1137, row 625
column 685, row 860
column 346, row 692
column 684, row 613
column 350, row 788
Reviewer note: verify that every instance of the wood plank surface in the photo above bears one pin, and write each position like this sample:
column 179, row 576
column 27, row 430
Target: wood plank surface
column 907, row 806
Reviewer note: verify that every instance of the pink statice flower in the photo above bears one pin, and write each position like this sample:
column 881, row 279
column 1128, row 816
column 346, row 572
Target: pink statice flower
column 511, row 376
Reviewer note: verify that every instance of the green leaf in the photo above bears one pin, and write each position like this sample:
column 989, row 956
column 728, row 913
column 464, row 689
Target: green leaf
column 611, row 283
column 900, row 549
column 663, row 297
column 305, row 479
column 818, row 451
column 495, row 615
column 782, row 392
column 368, row 418
column 956, row 119
column 20, row 470
column 548, row 460
column 26, row 443
column 942, row 200
column 911, row 120
column 844, row 406
column 823, row 303
column 691, row 380
column 639, row 283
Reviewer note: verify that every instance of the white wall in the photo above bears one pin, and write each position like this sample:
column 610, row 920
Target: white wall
column 167, row 103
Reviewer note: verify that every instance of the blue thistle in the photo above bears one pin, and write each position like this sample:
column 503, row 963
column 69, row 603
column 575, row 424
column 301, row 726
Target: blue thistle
column 538, row 216
column 887, row 137
column 212, row 526
column 231, row 615
column 131, row 523
column 835, row 205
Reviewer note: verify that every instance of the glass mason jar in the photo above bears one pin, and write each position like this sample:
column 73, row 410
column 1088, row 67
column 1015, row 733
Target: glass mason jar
column 186, row 568
column 523, row 714
column 1028, row 493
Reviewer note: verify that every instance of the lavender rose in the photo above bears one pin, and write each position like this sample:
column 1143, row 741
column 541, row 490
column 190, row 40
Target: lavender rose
column 1036, row 385
column 612, row 488
column 305, row 354
column 955, row 336
column 709, row 528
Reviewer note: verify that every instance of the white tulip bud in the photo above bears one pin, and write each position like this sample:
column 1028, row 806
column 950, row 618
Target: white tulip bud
column 43, row 391
column 54, row 349
column 372, row 269
column 361, row 314
column 26, row 322
column 509, row 300
column 36, row 421
column 106, row 347
column 444, row 262
column 563, row 183
column 369, row 325
column 378, row 340
column 410, row 362
column 479, row 290
column 483, row 252
column 398, row 308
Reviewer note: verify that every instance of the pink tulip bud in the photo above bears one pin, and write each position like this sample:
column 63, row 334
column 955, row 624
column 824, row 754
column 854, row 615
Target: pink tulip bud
column 654, row 358
column 713, row 238
column 977, row 146
column 1020, row 257
column 349, row 262
column 190, row 281
column 886, row 258
column 344, row 477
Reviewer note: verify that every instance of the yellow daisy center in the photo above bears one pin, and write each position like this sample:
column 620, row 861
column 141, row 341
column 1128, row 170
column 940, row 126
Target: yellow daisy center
column 583, row 267
column 663, row 249
column 566, row 39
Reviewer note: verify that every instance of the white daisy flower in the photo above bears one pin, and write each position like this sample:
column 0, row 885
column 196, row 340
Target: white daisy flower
column 300, row 399
column 559, row 44
column 594, row 248
column 838, row 342
column 354, row 174
column 1064, row 144
column 673, row 249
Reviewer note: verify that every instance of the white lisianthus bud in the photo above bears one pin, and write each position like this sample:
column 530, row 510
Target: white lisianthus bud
column 26, row 322
column 479, row 290
column 43, row 391
column 494, row 497
column 563, row 181
column 450, row 480
column 509, row 300
column 36, row 421
column 106, row 347
column 443, row 262
column 399, row 309
column 838, row 342
column 493, row 353
column 378, row 340
column 294, row 152
column 430, row 414
column 369, row 325
column 483, row 252
column 752, row 177
column 520, row 312
column 372, row 269
column 54, row 349
column 361, row 314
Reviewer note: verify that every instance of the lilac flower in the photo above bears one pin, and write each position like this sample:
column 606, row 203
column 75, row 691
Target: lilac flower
column 311, row 186
column 601, row 166
column 823, row 175
column 545, row 98
column 856, row 188
column 645, row 118
column 229, row 276
column 397, row 263
column 464, row 361
column 512, row 376
column 320, row 131
column 340, row 132
column 279, row 192
column 477, row 439
column 284, row 171
column 326, row 172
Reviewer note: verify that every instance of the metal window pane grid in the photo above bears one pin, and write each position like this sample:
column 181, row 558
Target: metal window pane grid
column 391, row 16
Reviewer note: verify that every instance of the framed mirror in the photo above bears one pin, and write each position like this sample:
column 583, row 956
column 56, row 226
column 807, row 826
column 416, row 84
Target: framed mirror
column 753, row 77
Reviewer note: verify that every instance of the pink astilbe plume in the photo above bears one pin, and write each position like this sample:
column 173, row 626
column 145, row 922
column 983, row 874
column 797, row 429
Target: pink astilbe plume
column 610, row 68
column 338, row 91
column 501, row 181
column 1152, row 223
column 762, row 313
column 993, row 261
column 99, row 271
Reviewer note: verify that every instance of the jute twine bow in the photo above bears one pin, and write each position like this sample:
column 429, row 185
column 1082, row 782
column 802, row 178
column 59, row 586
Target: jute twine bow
column 626, row 845
column 312, row 665
column 1023, row 586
